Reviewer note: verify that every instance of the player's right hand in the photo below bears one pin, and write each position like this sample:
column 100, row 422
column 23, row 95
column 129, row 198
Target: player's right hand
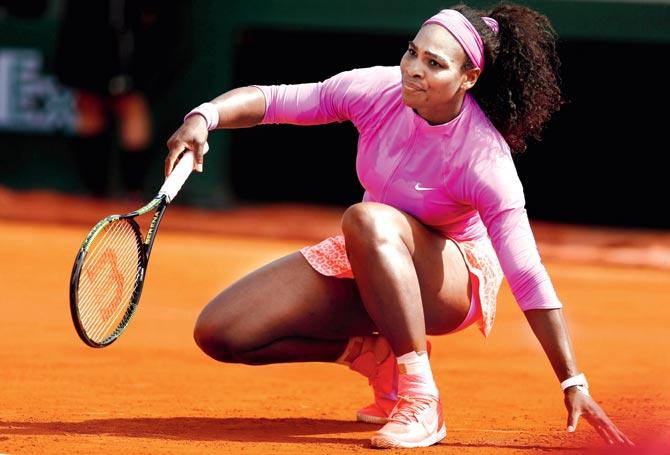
column 191, row 135
column 579, row 404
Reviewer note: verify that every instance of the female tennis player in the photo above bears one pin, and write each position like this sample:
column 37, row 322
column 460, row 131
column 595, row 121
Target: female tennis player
column 441, row 220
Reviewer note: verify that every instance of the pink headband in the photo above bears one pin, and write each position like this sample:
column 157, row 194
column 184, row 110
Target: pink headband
column 464, row 32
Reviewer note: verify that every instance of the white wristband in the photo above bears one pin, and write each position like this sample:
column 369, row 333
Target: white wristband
column 579, row 381
column 209, row 112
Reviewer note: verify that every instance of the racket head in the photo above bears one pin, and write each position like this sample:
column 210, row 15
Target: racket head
column 106, row 281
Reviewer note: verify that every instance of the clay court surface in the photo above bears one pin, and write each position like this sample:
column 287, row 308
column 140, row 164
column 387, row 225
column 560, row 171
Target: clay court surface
column 153, row 391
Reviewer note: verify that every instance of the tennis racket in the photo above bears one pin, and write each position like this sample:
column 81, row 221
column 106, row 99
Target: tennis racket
column 111, row 265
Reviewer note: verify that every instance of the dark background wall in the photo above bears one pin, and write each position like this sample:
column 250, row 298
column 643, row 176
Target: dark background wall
column 602, row 160
column 599, row 162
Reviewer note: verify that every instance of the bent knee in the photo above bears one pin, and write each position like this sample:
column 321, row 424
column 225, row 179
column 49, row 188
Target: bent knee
column 211, row 338
column 372, row 222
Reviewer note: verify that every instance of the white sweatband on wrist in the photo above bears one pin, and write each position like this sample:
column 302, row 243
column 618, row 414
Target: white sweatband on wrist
column 578, row 381
column 209, row 112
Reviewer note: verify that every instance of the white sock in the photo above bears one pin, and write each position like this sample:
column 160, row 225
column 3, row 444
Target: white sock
column 416, row 377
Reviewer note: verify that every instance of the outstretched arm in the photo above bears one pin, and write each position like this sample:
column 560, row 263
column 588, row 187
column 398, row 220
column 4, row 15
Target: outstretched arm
column 551, row 330
column 239, row 108
column 347, row 96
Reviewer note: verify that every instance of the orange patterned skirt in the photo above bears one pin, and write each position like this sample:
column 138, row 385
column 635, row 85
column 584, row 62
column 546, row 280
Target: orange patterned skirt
column 329, row 258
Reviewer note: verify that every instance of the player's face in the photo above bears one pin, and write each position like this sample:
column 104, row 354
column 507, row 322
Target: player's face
column 433, row 77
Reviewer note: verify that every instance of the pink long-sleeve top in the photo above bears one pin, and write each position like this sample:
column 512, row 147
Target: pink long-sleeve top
column 457, row 177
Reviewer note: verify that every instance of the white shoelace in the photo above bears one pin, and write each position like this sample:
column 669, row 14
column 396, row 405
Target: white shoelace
column 408, row 409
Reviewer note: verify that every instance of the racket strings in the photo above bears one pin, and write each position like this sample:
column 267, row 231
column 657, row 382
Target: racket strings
column 108, row 270
column 101, row 262
column 105, row 273
column 108, row 279
column 112, row 279
column 100, row 319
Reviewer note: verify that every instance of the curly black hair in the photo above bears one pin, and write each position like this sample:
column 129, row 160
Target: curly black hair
column 519, row 88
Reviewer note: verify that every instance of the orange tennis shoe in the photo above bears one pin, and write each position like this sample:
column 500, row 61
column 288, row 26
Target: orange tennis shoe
column 415, row 421
column 383, row 378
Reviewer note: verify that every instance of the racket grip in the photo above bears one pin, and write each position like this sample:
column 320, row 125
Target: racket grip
column 177, row 177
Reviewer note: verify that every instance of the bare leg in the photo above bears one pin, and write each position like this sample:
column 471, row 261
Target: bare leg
column 413, row 281
column 283, row 312
column 410, row 278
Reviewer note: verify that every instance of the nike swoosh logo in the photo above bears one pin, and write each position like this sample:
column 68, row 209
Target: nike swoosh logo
column 418, row 187
column 431, row 420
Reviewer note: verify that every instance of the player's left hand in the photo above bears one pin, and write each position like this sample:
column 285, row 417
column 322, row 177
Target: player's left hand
column 579, row 404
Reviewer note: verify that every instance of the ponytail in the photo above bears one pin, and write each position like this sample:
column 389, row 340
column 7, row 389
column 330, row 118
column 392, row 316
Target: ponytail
column 519, row 87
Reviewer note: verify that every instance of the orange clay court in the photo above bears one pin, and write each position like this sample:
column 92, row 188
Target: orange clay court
column 154, row 392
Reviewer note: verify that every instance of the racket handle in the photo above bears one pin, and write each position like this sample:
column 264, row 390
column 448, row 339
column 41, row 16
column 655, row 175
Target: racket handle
column 178, row 176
